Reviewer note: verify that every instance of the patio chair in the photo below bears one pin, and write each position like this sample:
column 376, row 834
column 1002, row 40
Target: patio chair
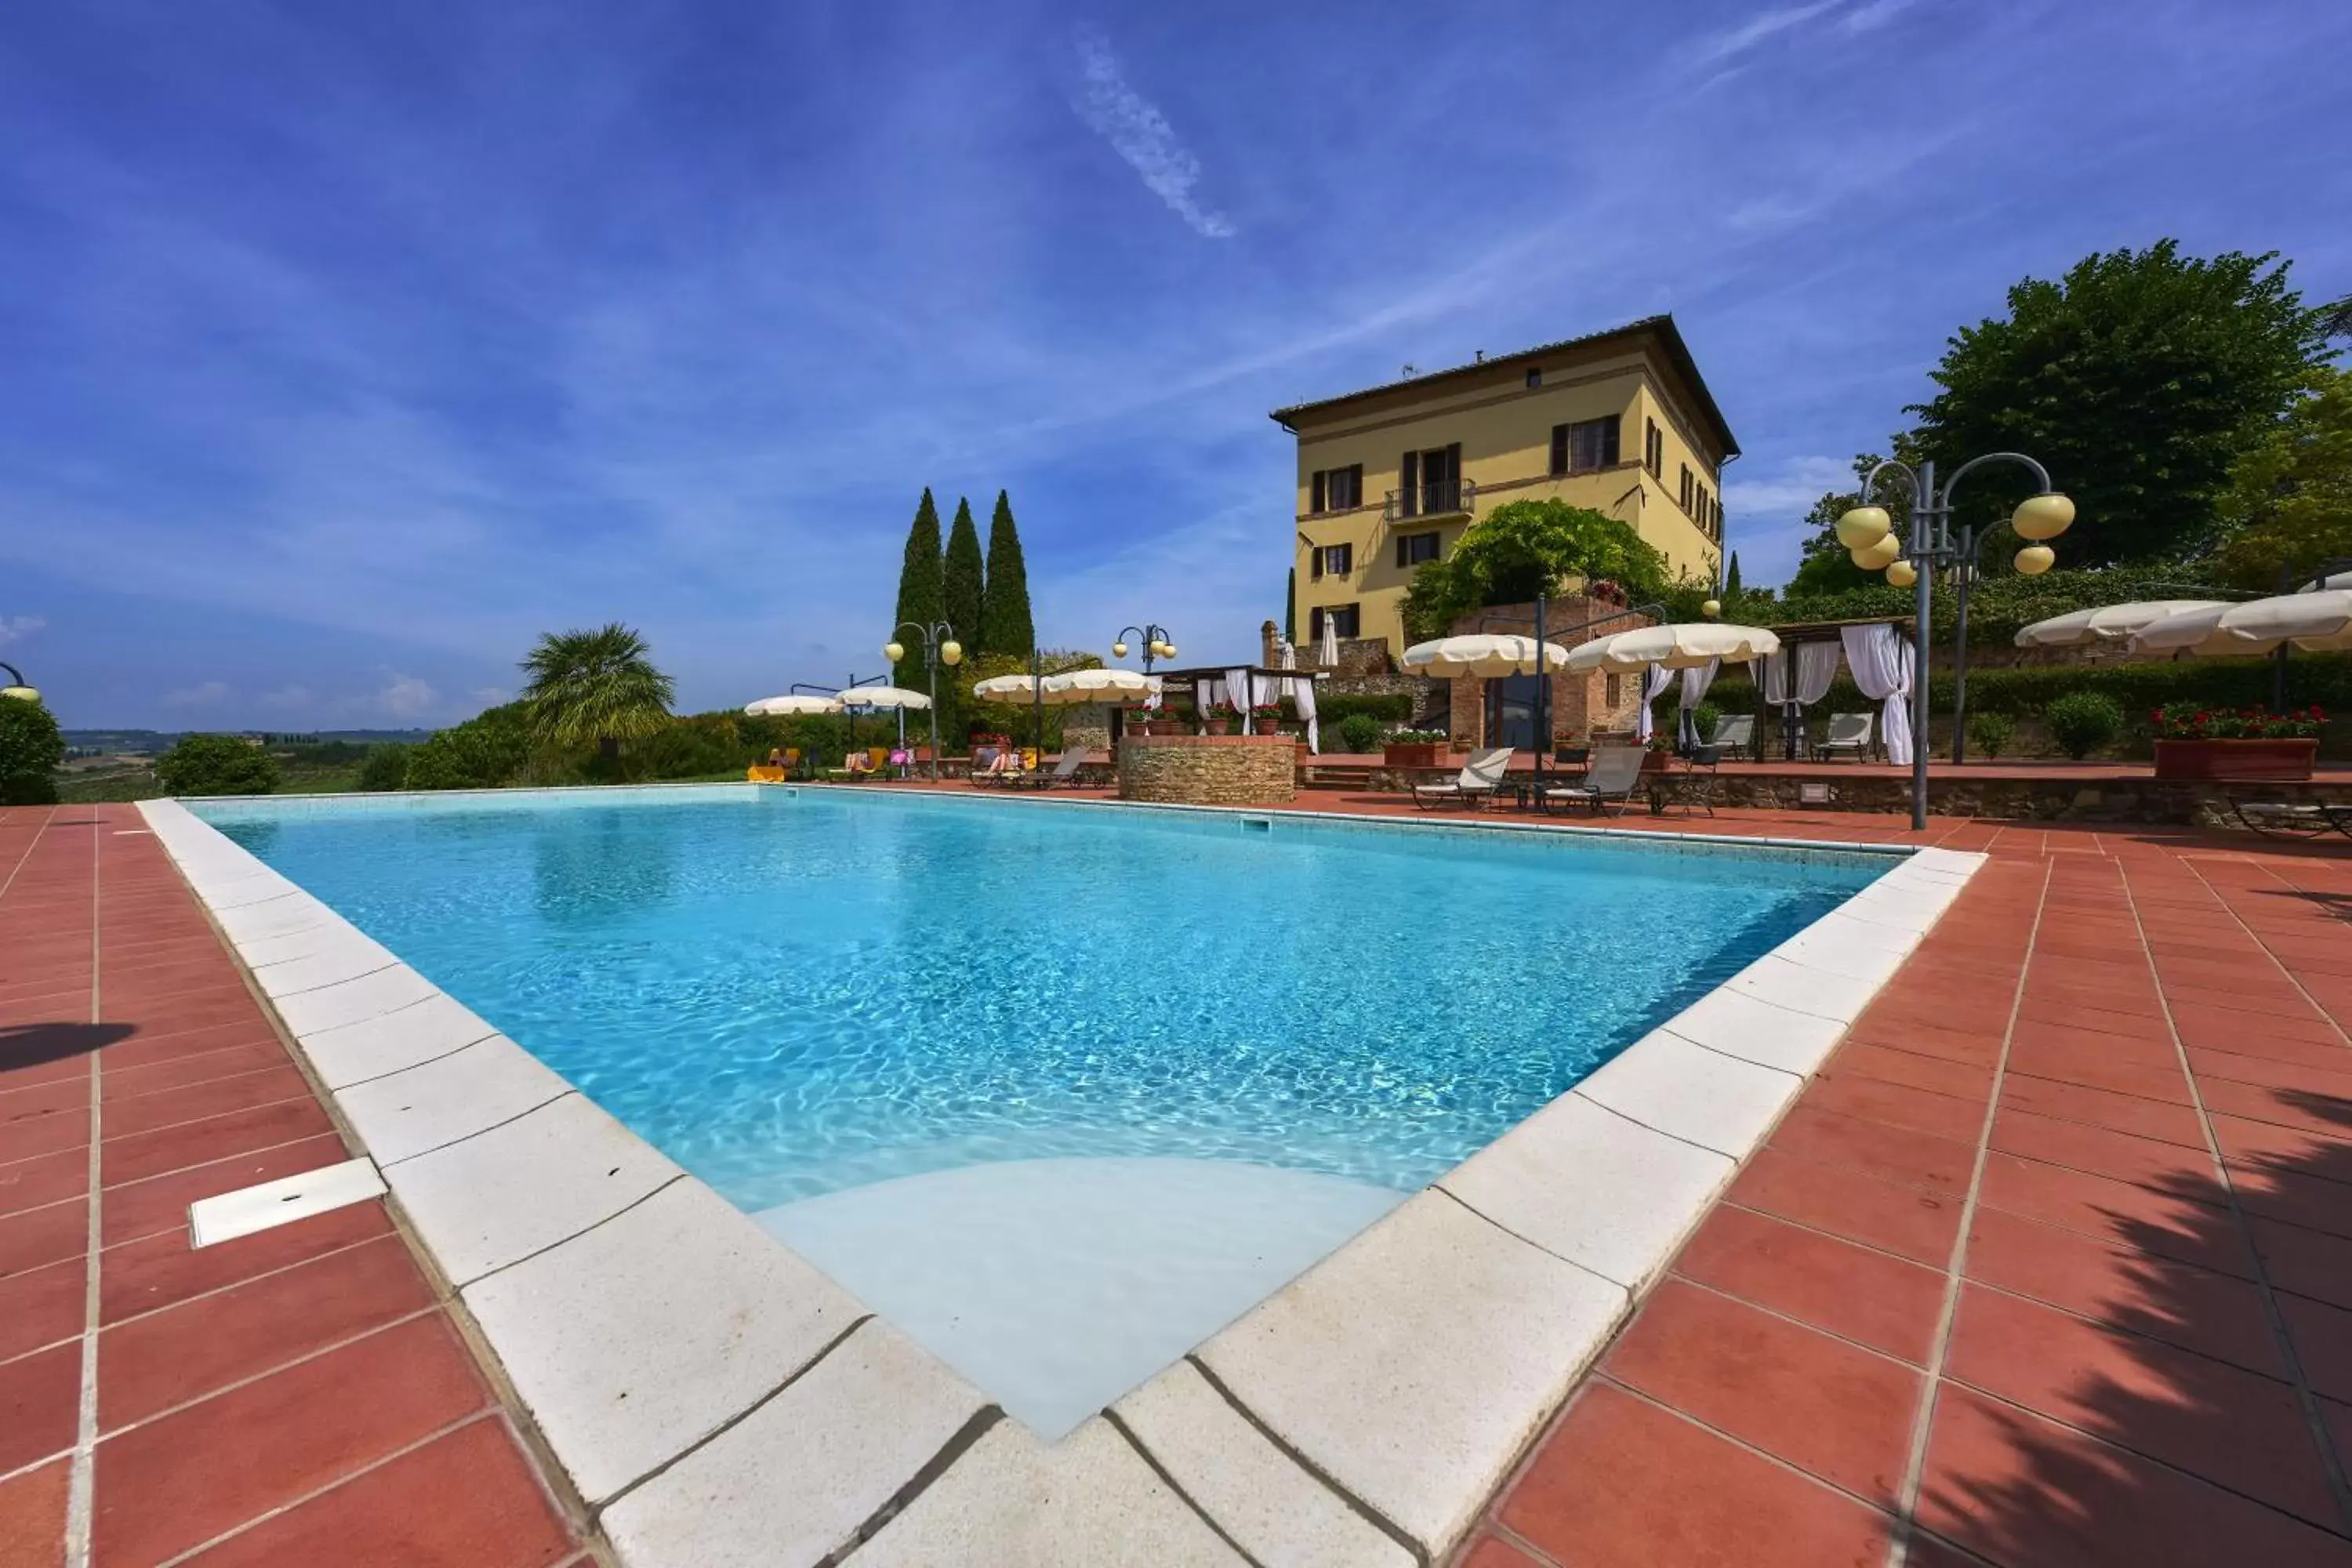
column 1065, row 773
column 1475, row 785
column 1735, row 733
column 1615, row 773
column 1849, row 732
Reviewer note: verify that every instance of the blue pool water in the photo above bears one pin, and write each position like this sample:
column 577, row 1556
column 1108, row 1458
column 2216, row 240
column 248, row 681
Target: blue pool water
column 796, row 994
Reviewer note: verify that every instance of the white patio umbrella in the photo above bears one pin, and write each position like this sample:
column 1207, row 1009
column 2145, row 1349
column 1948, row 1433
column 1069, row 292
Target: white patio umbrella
column 2316, row 622
column 1683, row 644
column 2108, row 623
column 883, row 697
column 1078, row 686
column 1007, row 688
column 1482, row 653
column 794, row 703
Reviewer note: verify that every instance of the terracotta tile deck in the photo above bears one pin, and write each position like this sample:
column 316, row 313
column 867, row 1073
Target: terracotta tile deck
column 2051, row 1264
column 297, row 1396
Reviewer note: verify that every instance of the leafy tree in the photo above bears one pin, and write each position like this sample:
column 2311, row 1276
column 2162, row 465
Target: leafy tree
column 386, row 767
column 1524, row 547
column 2289, row 503
column 489, row 750
column 962, row 573
column 922, row 590
column 2138, row 379
column 1005, row 625
column 596, row 686
column 31, row 749
column 216, row 764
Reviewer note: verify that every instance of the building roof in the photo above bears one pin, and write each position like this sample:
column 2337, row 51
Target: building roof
column 1661, row 327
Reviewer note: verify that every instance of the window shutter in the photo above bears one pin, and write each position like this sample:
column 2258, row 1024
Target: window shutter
column 1315, row 564
column 1610, row 438
column 1404, row 544
column 1409, row 482
column 1559, row 448
column 1315, row 624
column 1315, row 486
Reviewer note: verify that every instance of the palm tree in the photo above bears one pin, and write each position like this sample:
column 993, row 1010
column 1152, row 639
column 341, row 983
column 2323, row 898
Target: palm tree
column 595, row 686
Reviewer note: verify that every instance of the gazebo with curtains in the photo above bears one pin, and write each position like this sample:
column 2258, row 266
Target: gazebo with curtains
column 1878, row 653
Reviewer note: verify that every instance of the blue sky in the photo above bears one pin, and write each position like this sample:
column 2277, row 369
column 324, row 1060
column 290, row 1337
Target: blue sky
column 348, row 348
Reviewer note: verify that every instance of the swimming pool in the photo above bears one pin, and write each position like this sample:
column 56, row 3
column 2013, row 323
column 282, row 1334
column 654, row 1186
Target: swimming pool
column 791, row 995
column 1060, row 1089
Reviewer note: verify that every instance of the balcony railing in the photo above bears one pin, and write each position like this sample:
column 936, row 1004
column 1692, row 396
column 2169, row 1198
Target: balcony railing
column 1446, row 497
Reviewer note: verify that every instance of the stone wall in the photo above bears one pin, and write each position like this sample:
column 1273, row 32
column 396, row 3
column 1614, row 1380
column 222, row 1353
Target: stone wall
column 1209, row 770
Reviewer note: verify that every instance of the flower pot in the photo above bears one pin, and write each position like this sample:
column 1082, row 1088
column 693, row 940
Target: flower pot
column 1656, row 761
column 1413, row 754
column 1220, row 726
column 2211, row 761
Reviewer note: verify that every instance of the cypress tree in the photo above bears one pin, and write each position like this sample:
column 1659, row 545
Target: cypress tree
column 922, row 594
column 1005, row 625
column 962, row 590
column 1290, row 608
column 1731, row 577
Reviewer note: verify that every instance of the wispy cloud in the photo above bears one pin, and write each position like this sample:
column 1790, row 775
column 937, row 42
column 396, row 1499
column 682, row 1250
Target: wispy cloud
column 1722, row 48
column 1140, row 133
column 490, row 696
column 289, row 696
column 16, row 628
column 209, row 694
column 1877, row 14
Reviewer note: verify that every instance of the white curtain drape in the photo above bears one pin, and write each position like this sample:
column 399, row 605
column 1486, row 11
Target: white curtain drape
column 1817, row 666
column 1302, row 692
column 1776, row 677
column 1206, row 694
column 1151, row 696
column 1654, row 678
column 1881, row 665
column 1237, row 692
column 1696, row 681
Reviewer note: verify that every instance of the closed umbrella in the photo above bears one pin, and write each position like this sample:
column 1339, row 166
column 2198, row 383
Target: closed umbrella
column 1686, row 645
column 1485, row 654
column 2107, row 623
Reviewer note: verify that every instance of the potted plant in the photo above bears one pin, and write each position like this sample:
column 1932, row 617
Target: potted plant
column 2219, row 743
column 1265, row 719
column 1414, row 749
column 1219, row 720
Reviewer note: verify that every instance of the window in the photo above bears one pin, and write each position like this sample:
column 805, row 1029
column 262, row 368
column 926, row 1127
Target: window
column 1613, row 691
column 1698, row 513
column 1330, row 560
column 1654, row 449
column 1413, row 549
column 1687, row 487
column 1586, row 444
column 1535, row 376
column 1336, row 489
column 1345, row 621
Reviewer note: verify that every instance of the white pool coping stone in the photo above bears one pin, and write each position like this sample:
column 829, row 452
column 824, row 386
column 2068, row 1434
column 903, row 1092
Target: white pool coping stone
column 717, row 1400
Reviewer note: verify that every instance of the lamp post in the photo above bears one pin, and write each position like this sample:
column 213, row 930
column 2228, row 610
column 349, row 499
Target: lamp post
column 17, row 687
column 939, row 647
column 1867, row 532
column 1157, row 645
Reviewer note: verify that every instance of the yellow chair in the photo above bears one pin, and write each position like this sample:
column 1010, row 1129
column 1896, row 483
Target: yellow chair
column 757, row 774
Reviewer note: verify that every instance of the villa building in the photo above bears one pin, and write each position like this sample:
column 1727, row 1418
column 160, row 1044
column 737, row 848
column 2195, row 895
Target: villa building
column 1391, row 477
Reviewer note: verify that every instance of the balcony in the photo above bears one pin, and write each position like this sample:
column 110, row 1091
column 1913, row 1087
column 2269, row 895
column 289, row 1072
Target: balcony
column 1443, row 499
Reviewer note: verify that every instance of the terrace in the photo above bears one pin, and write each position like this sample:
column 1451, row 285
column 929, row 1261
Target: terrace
column 2044, row 1264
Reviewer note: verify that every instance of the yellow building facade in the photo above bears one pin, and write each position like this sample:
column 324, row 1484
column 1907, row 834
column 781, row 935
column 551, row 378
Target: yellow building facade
column 1393, row 476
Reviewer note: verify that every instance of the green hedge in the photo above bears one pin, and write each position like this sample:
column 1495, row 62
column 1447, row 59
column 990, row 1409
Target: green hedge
column 1388, row 707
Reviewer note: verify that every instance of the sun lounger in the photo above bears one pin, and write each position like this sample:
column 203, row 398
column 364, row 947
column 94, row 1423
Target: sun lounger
column 1735, row 733
column 1614, row 774
column 2292, row 818
column 1475, row 785
column 1849, row 732
column 1065, row 773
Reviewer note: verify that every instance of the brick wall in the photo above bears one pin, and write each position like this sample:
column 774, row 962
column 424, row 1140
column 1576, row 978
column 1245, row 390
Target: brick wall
column 1209, row 770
